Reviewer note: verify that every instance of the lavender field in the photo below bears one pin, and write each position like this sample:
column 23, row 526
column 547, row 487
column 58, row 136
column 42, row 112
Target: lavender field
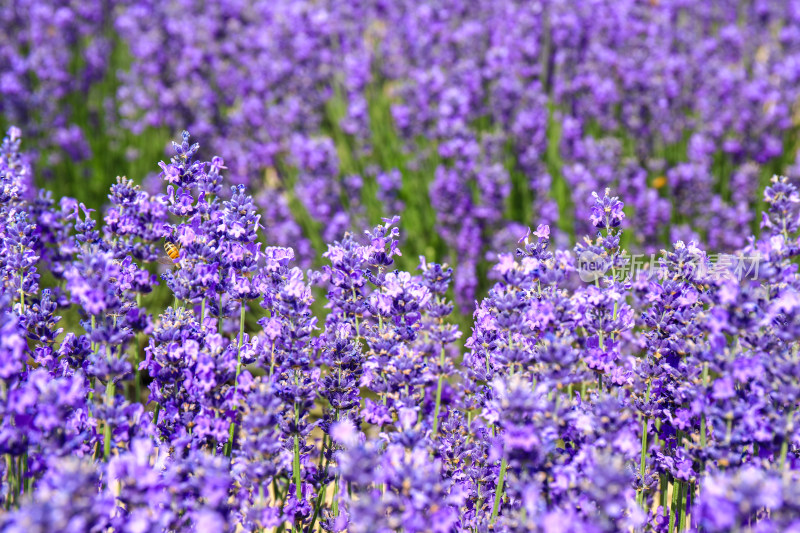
column 391, row 265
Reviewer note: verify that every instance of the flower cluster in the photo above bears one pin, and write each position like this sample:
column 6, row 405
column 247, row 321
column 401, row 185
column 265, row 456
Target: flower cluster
column 462, row 118
column 42, row 74
column 266, row 397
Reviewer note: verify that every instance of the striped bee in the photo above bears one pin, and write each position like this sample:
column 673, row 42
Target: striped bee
column 173, row 252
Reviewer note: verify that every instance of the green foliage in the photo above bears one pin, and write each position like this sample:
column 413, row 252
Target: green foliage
column 117, row 151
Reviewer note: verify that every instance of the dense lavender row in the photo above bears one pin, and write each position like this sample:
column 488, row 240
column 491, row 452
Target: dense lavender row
column 650, row 399
column 40, row 71
column 490, row 111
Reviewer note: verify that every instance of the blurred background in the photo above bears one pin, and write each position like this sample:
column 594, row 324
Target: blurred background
column 471, row 119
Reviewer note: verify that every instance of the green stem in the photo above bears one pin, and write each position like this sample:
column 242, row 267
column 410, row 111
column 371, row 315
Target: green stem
column 644, row 447
column 317, row 507
column 703, row 416
column 10, row 476
column 642, row 460
column 232, row 429
column 438, row 404
column 239, row 346
column 321, row 497
column 683, row 505
column 479, row 506
column 703, row 431
column 785, row 443
column 24, row 480
column 107, row 431
column 675, row 498
column 355, row 297
column 13, row 476
column 275, row 490
column 92, row 383
column 335, row 502
column 296, row 461
column 296, row 466
column 93, row 325
column 498, row 493
column 322, row 452
column 137, row 377
column 272, row 361
column 21, row 294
